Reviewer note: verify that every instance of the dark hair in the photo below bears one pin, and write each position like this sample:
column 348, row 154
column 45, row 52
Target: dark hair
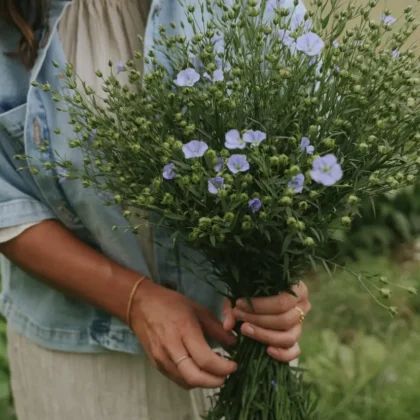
column 30, row 17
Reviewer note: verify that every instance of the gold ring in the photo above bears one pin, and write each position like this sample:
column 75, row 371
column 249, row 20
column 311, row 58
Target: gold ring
column 302, row 314
column 181, row 359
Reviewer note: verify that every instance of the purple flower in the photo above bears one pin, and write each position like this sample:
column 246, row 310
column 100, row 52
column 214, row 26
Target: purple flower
column 187, row 77
column 216, row 184
column 120, row 66
column 234, row 140
column 298, row 19
column 168, row 171
column 296, row 183
column 336, row 44
column 254, row 137
column 326, row 170
column 217, row 38
column 220, row 164
column 274, row 4
column 274, row 383
column 218, row 76
column 337, row 69
column 194, row 149
column 238, row 163
column 305, row 146
column 388, row 20
column 310, row 44
column 254, row 204
column 395, row 54
column 285, row 37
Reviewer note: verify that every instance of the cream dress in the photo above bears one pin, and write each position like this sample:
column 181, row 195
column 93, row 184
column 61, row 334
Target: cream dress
column 49, row 385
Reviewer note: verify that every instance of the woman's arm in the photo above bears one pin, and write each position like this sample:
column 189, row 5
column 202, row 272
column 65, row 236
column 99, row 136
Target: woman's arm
column 50, row 253
column 168, row 324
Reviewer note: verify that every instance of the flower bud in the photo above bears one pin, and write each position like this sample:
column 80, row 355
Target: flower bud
column 412, row 290
column 393, row 310
column 383, row 280
column 286, row 201
column 352, row 199
column 346, row 221
column 303, row 205
column 283, row 159
column 372, row 139
column 246, row 226
column 291, row 221
column 385, row 292
column 229, row 217
column 294, row 170
column 301, row 226
column 329, row 142
column 204, row 223
column 308, row 241
column 363, row 147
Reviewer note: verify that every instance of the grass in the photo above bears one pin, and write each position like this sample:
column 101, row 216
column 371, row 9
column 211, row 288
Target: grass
column 365, row 363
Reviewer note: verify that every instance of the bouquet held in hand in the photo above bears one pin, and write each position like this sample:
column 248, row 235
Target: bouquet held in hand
column 253, row 135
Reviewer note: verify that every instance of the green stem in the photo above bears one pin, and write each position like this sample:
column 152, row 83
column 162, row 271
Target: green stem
column 262, row 389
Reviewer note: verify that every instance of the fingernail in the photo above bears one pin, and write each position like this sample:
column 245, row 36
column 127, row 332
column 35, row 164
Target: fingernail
column 239, row 314
column 241, row 304
column 248, row 330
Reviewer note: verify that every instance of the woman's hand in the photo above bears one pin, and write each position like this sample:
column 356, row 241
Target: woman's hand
column 170, row 327
column 276, row 321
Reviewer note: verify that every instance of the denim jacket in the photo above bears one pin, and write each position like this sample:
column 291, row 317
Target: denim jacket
column 27, row 117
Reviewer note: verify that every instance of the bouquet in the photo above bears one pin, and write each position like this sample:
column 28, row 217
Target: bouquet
column 252, row 142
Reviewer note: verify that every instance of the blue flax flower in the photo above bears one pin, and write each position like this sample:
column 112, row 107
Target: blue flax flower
column 388, row 20
column 188, row 77
column 274, row 4
column 395, row 54
column 285, row 37
column 326, row 170
column 254, row 137
column 310, row 44
column 238, row 163
column 218, row 76
column 217, row 38
column 254, row 204
column 194, row 149
column 216, row 184
column 296, row 183
column 305, row 146
column 168, row 171
column 120, row 66
column 220, row 163
column 233, row 140
column 336, row 44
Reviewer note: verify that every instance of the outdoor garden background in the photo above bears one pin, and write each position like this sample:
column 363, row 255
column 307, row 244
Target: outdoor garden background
column 365, row 363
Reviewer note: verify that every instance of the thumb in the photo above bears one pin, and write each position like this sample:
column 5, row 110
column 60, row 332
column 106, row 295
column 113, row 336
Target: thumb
column 213, row 328
column 229, row 320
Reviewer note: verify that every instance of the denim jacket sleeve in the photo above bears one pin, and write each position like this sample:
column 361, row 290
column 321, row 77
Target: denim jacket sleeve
column 20, row 199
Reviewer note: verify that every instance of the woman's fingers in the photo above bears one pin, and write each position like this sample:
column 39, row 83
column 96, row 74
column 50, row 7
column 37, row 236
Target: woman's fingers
column 277, row 339
column 284, row 355
column 203, row 356
column 275, row 304
column 186, row 367
column 280, row 322
column 214, row 329
column 229, row 319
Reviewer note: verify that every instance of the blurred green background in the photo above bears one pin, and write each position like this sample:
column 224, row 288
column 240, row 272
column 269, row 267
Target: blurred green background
column 365, row 363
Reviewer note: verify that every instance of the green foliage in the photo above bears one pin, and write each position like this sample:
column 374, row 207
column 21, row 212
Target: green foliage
column 384, row 223
column 365, row 363
column 6, row 409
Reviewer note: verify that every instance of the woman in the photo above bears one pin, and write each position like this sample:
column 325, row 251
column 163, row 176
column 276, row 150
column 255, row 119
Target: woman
column 70, row 284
